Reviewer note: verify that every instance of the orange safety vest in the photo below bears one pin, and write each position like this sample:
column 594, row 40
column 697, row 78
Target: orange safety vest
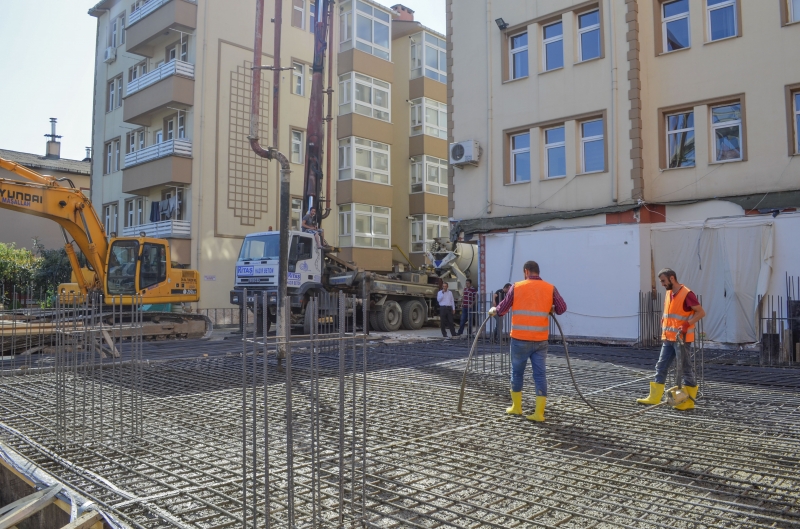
column 675, row 316
column 530, row 317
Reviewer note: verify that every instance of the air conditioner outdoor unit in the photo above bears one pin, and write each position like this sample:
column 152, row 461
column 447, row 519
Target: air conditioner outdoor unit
column 111, row 55
column 465, row 153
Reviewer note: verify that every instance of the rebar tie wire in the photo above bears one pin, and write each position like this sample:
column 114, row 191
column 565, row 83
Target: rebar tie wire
column 571, row 374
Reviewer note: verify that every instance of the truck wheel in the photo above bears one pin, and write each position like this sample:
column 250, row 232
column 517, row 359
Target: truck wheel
column 414, row 315
column 390, row 316
column 373, row 321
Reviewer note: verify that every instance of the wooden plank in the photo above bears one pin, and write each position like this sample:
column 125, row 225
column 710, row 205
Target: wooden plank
column 84, row 521
column 110, row 343
column 26, row 507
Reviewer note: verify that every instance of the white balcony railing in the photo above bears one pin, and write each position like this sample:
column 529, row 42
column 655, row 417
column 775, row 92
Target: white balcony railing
column 173, row 67
column 159, row 150
column 160, row 230
column 148, row 7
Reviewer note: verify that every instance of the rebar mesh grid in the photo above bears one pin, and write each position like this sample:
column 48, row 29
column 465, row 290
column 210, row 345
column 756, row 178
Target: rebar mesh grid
column 732, row 462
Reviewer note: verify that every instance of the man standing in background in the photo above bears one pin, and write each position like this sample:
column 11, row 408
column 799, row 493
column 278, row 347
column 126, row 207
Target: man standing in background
column 498, row 298
column 447, row 306
column 467, row 304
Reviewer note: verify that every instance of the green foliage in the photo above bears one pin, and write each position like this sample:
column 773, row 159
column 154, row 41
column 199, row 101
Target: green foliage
column 17, row 269
column 40, row 271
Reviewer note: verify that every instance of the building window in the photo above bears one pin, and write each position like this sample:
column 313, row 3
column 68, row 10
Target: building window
column 589, row 35
column 297, row 213
column 130, row 141
column 519, row 56
column 555, row 152
column 116, row 31
column 108, row 163
column 114, row 93
column 110, row 217
column 369, row 96
column 797, row 122
column 428, row 117
column 680, row 140
column 298, row 13
column 675, row 25
column 134, row 72
column 184, row 51
column 298, row 79
column 592, row 148
column 428, row 175
column 364, row 226
column 312, row 17
column 372, row 28
column 721, row 19
column 181, row 126
column 726, row 128
column 425, row 229
column 553, row 45
column 175, row 209
column 428, row 57
column 117, row 151
column 364, row 160
column 521, row 157
column 170, row 127
column 297, row 146
column 794, row 10
column 140, row 136
column 134, row 212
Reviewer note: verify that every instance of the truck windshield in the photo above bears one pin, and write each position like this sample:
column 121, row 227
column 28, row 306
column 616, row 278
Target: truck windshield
column 260, row 247
column 122, row 267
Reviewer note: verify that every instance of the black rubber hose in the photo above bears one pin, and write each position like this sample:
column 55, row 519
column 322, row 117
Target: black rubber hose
column 571, row 374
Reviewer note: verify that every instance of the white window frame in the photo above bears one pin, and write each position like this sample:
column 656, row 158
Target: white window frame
column 552, row 40
column 515, row 51
column 725, row 124
column 131, row 142
column 347, row 226
column 355, row 13
column 420, row 44
column 298, row 78
column 554, row 145
column 588, row 29
column 796, row 115
column 296, row 216
column 420, row 177
column 722, row 5
column 297, row 146
column 589, row 139
column 117, row 154
column 181, row 125
column 346, row 25
column 312, row 15
column 109, row 162
column 141, row 141
column 677, row 132
column 674, row 18
column 420, row 240
column 419, row 118
column 170, row 129
column 111, row 218
column 112, row 95
column 348, row 160
column 347, row 96
column 794, row 13
column 134, row 212
column 514, row 153
column 184, row 47
column 302, row 10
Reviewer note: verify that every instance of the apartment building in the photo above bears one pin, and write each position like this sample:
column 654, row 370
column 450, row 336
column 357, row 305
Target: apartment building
column 172, row 115
column 619, row 138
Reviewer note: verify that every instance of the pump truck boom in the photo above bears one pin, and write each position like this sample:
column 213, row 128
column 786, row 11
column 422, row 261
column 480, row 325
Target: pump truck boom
column 122, row 267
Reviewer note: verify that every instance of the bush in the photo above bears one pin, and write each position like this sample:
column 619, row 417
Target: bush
column 17, row 269
column 22, row 269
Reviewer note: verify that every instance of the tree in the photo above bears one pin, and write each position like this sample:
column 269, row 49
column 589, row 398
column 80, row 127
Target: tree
column 52, row 269
column 17, row 269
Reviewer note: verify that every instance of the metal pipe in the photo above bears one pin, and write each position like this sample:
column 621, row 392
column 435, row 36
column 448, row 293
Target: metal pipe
column 329, row 117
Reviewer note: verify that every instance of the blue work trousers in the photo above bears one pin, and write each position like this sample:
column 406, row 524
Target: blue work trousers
column 668, row 353
column 465, row 318
column 521, row 351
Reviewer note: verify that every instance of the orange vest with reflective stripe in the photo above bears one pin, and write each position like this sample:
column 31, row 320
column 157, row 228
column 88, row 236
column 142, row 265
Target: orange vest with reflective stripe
column 675, row 316
column 530, row 317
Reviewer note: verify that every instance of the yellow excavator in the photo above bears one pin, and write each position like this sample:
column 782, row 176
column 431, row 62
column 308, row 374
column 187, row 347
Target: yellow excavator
column 125, row 270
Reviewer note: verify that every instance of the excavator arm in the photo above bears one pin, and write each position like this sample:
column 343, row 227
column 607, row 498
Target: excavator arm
column 70, row 208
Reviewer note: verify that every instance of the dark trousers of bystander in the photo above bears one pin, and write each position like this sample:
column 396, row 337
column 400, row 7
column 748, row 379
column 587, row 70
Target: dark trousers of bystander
column 446, row 321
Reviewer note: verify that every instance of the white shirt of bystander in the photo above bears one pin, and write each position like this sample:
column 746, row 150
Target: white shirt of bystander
column 445, row 299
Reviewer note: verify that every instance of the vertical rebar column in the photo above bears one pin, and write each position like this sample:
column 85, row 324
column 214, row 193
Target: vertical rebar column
column 365, row 316
column 266, row 417
column 312, row 306
column 287, row 331
column 342, row 323
column 254, row 378
column 244, row 410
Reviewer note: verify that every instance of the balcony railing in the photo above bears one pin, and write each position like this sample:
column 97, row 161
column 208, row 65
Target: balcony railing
column 160, row 230
column 148, row 8
column 159, row 150
column 173, row 67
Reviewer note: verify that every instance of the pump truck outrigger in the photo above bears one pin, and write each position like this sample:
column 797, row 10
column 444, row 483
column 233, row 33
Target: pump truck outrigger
column 120, row 267
column 401, row 299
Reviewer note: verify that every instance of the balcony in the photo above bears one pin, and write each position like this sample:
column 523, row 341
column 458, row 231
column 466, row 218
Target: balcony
column 167, row 229
column 173, row 67
column 151, row 24
column 164, row 90
column 167, row 163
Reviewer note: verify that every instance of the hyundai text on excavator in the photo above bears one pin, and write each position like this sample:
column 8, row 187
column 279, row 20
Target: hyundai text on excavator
column 120, row 267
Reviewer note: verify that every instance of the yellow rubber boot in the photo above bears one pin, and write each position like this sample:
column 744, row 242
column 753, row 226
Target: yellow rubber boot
column 516, row 403
column 656, row 392
column 689, row 404
column 538, row 415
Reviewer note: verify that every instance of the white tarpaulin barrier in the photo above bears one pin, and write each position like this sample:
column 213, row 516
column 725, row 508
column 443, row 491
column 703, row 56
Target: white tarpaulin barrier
column 728, row 262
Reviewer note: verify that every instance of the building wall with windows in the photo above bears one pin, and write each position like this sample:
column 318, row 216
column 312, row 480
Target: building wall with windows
column 664, row 114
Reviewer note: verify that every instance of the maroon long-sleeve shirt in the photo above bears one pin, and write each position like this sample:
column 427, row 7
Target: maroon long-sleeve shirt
column 508, row 301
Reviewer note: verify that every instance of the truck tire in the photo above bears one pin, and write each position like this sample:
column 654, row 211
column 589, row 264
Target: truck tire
column 373, row 321
column 414, row 314
column 390, row 316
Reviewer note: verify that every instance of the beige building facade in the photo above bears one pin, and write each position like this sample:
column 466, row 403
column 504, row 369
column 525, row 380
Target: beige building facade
column 619, row 123
column 171, row 120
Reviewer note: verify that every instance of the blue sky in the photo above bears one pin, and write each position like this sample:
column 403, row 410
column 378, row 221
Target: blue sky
column 46, row 65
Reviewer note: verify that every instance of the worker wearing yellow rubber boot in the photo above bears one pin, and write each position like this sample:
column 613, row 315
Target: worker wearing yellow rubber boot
column 682, row 311
column 531, row 301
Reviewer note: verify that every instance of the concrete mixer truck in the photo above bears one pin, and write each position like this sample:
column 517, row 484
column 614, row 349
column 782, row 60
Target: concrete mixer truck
column 400, row 299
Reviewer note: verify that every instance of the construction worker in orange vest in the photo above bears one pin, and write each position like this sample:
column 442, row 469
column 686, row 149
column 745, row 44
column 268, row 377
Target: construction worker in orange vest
column 531, row 302
column 682, row 311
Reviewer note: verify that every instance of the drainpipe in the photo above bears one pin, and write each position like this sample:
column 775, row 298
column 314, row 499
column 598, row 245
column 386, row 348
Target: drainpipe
column 490, row 121
column 271, row 153
column 612, row 114
column 329, row 117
